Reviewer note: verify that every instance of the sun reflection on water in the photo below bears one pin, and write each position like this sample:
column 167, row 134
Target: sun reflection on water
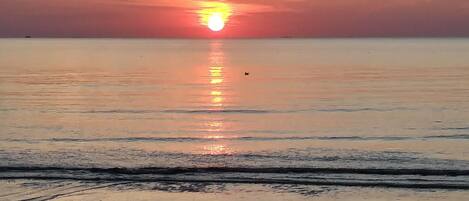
column 216, row 81
column 216, row 149
column 215, row 127
column 216, row 59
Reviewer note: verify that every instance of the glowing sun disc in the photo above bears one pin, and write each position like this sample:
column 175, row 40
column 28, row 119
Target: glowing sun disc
column 215, row 22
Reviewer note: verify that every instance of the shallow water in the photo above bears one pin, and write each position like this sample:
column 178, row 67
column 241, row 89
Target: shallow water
column 335, row 112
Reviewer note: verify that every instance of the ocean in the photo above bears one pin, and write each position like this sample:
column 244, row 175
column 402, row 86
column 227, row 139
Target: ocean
column 270, row 119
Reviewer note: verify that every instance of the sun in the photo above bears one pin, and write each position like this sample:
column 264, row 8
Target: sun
column 214, row 15
column 215, row 22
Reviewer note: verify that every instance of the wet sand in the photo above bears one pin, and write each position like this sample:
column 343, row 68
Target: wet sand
column 71, row 191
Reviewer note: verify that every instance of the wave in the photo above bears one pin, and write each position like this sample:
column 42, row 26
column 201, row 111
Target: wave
column 398, row 178
column 281, row 170
column 205, row 139
column 203, row 111
column 221, row 111
column 115, row 111
column 7, row 109
column 263, row 181
column 230, row 111
column 287, row 111
column 366, row 109
column 455, row 128
column 461, row 136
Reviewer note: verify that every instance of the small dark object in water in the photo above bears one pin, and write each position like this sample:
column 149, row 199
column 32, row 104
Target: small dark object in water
column 27, row 36
column 246, row 73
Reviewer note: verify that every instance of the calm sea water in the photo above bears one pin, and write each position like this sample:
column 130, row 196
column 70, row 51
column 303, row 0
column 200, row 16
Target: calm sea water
column 340, row 112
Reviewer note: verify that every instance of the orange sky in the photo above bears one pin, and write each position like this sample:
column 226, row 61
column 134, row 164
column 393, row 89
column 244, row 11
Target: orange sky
column 248, row 18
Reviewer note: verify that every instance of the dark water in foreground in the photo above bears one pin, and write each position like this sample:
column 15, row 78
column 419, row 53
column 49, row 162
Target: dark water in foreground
column 389, row 113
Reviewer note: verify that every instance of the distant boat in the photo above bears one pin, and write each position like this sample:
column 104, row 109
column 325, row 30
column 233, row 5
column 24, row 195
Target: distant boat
column 27, row 37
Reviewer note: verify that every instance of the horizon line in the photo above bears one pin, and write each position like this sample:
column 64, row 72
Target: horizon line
column 238, row 38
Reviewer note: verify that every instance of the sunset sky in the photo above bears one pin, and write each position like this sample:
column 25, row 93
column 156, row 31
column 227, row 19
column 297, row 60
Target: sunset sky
column 242, row 18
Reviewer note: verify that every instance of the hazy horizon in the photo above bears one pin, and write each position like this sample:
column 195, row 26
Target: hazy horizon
column 235, row 38
column 241, row 18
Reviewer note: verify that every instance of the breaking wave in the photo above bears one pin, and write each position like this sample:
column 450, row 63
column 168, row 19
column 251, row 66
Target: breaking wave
column 392, row 178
